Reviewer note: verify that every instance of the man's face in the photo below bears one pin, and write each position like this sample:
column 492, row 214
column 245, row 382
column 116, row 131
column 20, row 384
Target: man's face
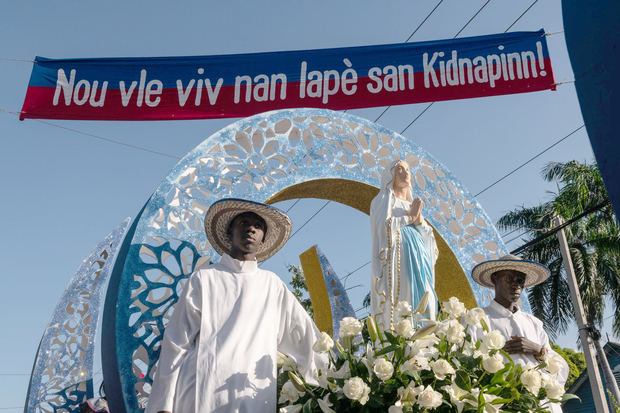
column 508, row 286
column 401, row 173
column 247, row 231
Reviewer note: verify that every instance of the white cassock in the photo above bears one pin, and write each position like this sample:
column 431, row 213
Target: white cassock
column 219, row 348
column 523, row 324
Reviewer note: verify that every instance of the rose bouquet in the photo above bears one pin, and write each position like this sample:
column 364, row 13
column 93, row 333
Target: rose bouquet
column 454, row 364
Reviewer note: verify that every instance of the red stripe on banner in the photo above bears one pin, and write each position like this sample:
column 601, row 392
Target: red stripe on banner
column 39, row 100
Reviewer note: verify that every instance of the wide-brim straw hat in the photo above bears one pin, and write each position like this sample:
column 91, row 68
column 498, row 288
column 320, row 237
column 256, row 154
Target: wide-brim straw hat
column 535, row 272
column 222, row 212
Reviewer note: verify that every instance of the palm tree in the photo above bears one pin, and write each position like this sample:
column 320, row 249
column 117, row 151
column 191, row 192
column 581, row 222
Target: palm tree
column 594, row 243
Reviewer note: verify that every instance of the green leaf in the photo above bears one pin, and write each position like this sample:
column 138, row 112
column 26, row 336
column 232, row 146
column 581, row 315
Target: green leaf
column 307, row 407
column 386, row 350
column 569, row 396
column 498, row 377
column 462, row 380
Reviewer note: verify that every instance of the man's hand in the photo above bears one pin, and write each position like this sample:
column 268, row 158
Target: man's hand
column 415, row 211
column 521, row 345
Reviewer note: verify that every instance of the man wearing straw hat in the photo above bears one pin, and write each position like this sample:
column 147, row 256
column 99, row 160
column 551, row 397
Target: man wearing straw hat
column 219, row 348
column 526, row 340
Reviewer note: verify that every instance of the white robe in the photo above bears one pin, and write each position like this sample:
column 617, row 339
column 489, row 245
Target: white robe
column 522, row 324
column 388, row 214
column 219, row 348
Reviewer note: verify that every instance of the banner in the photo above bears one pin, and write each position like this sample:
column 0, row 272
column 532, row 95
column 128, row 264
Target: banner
column 228, row 86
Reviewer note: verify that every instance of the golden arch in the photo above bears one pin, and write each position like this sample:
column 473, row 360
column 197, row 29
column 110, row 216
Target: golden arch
column 450, row 280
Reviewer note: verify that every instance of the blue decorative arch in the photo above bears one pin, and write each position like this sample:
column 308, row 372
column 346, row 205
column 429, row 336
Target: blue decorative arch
column 255, row 158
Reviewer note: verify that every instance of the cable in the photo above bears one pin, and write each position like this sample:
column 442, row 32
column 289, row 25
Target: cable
column 417, row 117
column 128, row 145
column 559, row 227
column 14, row 59
column 522, row 14
column 308, row 220
column 355, row 270
column 528, row 161
column 459, row 32
column 518, row 236
column 423, row 21
column 406, row 41
column 510, row 232
column 291, row 207
column 472, row 18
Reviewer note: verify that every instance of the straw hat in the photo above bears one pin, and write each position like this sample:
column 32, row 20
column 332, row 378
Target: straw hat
column 222, row 212
column 535, row 272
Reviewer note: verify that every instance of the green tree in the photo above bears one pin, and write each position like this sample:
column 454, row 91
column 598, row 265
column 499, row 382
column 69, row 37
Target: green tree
column 299, row 288
column 594, row 244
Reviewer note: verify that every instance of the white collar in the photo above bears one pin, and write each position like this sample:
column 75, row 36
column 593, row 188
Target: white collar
column 237, row 266
column 501, row 309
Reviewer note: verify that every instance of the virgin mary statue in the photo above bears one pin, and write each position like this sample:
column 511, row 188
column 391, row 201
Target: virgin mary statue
column 404, row 251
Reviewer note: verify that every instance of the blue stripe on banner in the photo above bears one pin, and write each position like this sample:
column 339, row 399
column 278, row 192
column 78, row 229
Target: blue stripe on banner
column 361, row 59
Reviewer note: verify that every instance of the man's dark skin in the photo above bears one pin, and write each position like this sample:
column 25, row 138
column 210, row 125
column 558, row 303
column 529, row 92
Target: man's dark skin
column 247, row 232
column 508, row 287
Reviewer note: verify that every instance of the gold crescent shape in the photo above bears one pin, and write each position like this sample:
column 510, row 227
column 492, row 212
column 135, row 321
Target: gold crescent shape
column 450, row 280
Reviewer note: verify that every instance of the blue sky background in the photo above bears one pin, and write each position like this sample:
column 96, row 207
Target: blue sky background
column 64, row 191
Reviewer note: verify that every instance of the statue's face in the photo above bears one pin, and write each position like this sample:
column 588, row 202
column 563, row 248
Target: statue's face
column 401, row 174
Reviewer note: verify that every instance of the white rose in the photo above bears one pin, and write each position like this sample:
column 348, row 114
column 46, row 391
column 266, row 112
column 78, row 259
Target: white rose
column 473, row 317
column 554, row 390
column 415, row 364
column 403, row 309
column 494, row 340
column 451, row 330
column 453, row 307
column 289, row 393
column 493, row 363
column 409, row 393
column 441, row 368
column 349, row 327
column 404, row 328
column 531, row 380
column 383, row 369
column 356, row 389
column 429, row 398
column 396, row 408
column 323, row 344
column 555, row 363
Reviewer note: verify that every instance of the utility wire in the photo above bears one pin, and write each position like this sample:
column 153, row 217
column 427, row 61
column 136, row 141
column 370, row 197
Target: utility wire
column 406, row 41
column 517, row 237
column 559, row 227
column 522, row 14
column 309, row 219
column 471, row 19
column 128, row 145
column 14, row 59
column 511, row 232
column 291, row 207
column 459, row 32
column 529, row 160
column 103, row 138
column 423, row 21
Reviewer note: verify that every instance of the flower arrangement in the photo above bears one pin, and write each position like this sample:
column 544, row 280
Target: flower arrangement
column 453, row 364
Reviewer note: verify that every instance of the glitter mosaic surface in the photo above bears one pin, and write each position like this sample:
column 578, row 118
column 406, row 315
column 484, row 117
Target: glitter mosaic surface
column 255, row 158
column 338, row 298
column 62, row 376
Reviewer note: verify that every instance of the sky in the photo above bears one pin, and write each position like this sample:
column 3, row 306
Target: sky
column 66, row 186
